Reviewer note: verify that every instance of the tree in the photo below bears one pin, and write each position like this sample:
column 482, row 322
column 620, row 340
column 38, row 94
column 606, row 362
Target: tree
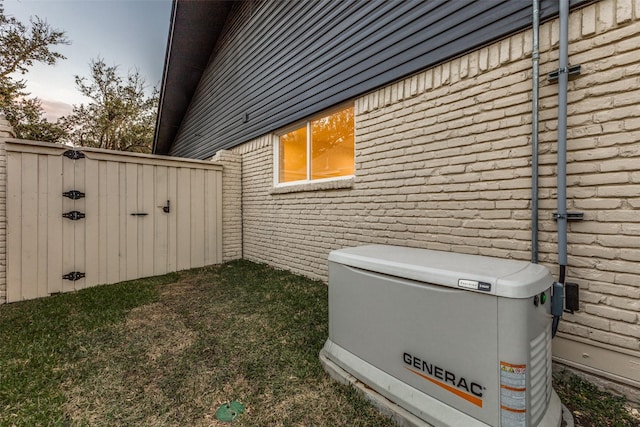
column 26, row 118
column 120, row 116
column 20, row 47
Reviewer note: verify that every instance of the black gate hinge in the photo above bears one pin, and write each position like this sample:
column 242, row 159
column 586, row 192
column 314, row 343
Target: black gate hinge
column 73, row 154
column 73, row 276
column 74, row 194
column 73, row 215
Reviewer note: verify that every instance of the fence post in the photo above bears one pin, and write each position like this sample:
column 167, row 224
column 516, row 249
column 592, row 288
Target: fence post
column 6, row 132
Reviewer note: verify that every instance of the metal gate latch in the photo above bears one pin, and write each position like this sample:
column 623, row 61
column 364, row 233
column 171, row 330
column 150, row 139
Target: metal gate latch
column 73, row 276
column 74, row 194
column 73, row 215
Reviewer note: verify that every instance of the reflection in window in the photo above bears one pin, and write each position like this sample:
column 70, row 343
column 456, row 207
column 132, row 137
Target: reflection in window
column 293, row 155
column 332, row 145
column 330, row 142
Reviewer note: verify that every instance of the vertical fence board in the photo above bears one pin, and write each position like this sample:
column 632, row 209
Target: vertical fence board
column 54, row 224
column 68, row 225
column 131, row 192
column 147, row 223
column 161, row 222
column 103, row 230
column 122, row 220
column 183, row 213
column 14, row 227
column 113, row 231
column 93, row 209
column 29, row 213
column 43, row 229
column 139, row 220
column 172, row 219
column 79, row 227
column 197, row 218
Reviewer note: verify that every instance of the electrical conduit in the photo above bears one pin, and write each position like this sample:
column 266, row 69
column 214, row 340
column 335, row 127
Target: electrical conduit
column 534, row 130
column 563, row 81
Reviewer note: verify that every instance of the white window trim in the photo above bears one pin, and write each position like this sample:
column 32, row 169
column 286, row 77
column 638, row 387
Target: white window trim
column 297, row 125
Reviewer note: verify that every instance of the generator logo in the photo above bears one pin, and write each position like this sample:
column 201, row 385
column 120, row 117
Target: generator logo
column 458, row 385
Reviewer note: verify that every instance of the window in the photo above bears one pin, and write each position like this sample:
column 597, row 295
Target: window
column 321, row 148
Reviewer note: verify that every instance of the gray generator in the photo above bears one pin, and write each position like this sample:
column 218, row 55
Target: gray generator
column 454, row 339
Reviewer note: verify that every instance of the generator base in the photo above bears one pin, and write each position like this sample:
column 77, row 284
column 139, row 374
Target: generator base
column 404, row 404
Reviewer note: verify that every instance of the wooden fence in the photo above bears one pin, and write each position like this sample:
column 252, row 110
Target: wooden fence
column 80, row 218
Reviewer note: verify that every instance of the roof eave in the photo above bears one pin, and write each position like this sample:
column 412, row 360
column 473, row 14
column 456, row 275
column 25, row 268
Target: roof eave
column 193, row 33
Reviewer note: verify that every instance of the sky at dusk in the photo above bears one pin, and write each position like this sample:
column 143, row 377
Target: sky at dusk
column 128, row 33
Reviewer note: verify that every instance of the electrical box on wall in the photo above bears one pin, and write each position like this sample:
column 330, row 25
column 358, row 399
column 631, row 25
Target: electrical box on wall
column 455, row 339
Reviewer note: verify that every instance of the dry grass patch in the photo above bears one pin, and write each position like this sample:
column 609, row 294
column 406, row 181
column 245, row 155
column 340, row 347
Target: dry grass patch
column 122, row 386
column 241, row 332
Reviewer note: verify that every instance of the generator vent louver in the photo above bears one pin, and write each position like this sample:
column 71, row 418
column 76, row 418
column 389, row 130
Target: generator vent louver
column 540, row 348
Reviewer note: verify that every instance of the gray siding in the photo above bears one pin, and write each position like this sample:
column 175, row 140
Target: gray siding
column 280, row 61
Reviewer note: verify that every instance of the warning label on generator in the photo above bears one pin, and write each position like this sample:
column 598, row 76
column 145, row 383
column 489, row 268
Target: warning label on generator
column 513, row 394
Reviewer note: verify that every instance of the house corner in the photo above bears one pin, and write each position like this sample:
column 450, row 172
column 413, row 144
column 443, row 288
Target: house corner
column 231, row 203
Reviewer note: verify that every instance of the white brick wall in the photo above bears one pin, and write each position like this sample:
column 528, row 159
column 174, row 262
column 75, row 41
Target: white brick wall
column 231, row 204
column 443, row 162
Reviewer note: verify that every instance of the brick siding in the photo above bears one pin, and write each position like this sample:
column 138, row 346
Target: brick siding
column 231, row 204
column 443, row 161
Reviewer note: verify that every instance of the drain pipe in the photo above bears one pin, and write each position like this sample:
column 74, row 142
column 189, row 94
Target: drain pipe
column 562, row 217
column 563, row 82
column 535, row 55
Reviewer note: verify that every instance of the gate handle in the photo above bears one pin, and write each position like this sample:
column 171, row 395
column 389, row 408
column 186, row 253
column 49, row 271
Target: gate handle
column 139, row 214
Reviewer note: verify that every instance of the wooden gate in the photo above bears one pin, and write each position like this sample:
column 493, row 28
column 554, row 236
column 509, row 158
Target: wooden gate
column 81, row 218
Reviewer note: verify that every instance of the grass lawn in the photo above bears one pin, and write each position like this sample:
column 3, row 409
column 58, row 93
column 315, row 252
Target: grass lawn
column 170, row 350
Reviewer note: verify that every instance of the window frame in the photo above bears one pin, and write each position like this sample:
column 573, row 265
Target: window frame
column 307, row 123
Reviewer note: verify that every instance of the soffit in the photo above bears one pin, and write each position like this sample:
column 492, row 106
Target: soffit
column 194, row 30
